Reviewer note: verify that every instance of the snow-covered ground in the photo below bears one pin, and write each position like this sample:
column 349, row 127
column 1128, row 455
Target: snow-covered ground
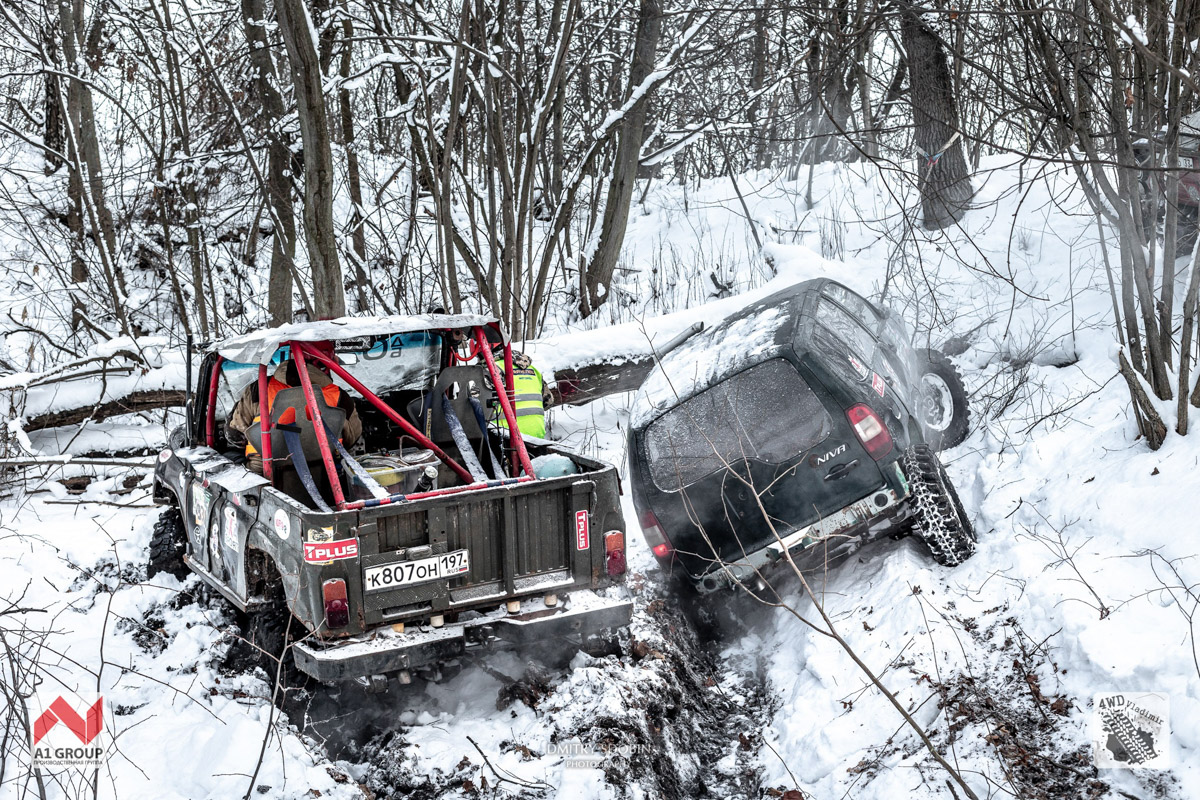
column 1084, row 581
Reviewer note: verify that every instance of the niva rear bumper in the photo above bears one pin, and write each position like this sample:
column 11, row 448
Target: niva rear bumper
column 383, row 650
column 819, row 545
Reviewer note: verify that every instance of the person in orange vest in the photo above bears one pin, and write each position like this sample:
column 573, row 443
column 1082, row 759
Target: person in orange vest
column 242, row 429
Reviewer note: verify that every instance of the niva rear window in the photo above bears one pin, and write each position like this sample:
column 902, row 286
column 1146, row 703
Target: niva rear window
column 766, row 413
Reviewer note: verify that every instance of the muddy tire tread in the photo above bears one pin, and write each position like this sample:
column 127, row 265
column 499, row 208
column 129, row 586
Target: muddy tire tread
column 167, row 544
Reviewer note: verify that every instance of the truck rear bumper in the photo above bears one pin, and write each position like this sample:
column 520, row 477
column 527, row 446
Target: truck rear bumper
column 384, row 650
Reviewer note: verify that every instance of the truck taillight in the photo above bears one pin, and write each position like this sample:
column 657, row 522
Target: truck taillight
column 337, row 607
column 656, row 537
column 870, row 430
column 614, row 553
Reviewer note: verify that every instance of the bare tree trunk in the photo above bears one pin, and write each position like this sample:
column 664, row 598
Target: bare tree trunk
column 454, row 103
column 603, row 263
column 942, row 176
column 329, row 297
column 358, row 236
column 83, row 115
column 279, row 187
column 57, row 109
column 86, row 184
column 186, row 179
column 758, row 73
column 1185, row 343
column 52, row 127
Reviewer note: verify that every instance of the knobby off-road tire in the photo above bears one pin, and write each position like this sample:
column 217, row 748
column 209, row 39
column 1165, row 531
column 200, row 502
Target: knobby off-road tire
column 167, row 544
column 945, row 410
column 264, row 634
column 939, row 518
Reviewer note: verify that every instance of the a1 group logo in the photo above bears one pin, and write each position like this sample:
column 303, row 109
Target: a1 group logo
column 68, row 730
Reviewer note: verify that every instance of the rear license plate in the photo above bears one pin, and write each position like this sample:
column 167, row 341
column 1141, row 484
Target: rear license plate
column 421, row 570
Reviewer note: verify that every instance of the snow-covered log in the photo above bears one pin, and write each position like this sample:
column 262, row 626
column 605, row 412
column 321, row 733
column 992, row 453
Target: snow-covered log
column 127, row 404
column 122, row 377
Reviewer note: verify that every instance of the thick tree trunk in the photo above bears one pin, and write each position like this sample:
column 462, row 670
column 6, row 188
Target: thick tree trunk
column 603, row 263
column 329, row 297
column 942, row 176
column 279, row 186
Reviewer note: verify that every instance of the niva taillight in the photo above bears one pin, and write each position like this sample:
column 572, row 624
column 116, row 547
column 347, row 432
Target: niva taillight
column 656, row 537
column 614, row 553
column 870, row 430
column 337, row 607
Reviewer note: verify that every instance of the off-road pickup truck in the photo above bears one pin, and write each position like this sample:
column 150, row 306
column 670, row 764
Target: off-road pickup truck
column 441, row 533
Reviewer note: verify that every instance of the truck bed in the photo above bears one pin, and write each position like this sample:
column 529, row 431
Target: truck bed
column 521, row 538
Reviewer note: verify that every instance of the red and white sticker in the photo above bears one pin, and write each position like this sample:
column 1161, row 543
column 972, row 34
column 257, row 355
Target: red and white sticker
column 324, row 552
column 877, row 383
column 283, row 526
column 859, row 367
column 581, row 530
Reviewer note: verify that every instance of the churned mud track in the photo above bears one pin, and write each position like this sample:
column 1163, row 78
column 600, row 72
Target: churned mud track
column 694, row 722
column 663, row 710
column 665, row 713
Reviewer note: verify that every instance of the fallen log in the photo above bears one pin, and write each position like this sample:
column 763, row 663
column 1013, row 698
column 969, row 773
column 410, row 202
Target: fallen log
column 583, row 383
column 73, row 461
column 587, row 382
column 134, row 401
column 592, row 381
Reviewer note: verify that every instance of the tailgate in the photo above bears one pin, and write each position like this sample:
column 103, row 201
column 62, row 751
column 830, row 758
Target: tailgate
column 518, row 540
column 767, row 439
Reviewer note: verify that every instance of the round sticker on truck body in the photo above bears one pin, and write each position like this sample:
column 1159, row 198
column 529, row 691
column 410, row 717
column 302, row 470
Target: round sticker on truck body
column 283, row 526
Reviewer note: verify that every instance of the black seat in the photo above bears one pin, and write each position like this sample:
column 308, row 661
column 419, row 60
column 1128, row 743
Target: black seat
column 459, row 385
column 289, row 414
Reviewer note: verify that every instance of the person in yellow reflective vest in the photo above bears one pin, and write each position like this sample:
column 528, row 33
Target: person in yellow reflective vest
column 532, row 395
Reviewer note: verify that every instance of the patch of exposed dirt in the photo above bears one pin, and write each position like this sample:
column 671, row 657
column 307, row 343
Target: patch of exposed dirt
column 1017, row 710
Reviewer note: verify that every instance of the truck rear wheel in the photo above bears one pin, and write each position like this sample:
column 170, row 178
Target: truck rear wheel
column 167, row 544
column 943, row 400
column 938, row 515
column 263, row 639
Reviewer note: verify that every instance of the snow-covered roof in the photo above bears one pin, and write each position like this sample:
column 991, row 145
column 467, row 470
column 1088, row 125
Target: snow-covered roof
column 259, row 346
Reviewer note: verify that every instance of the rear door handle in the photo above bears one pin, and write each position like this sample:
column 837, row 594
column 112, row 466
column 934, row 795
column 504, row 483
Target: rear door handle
column 841, row 470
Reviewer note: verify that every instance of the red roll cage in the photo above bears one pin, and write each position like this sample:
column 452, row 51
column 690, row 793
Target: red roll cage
column 302, row 351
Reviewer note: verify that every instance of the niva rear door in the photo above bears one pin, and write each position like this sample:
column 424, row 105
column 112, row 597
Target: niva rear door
column 761, row 445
